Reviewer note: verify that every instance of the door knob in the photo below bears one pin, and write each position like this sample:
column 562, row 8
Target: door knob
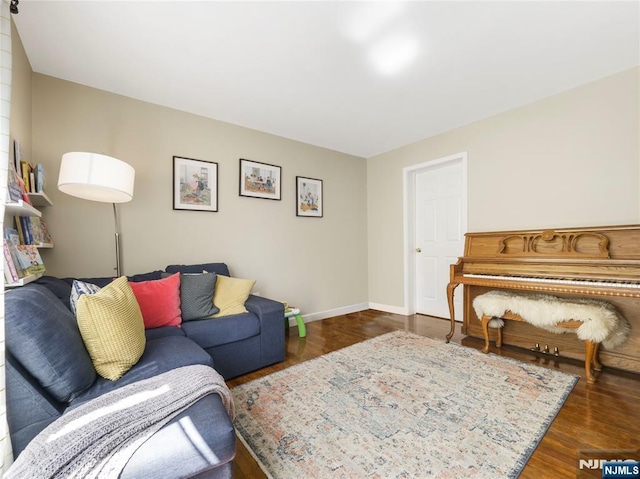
column 418, row 250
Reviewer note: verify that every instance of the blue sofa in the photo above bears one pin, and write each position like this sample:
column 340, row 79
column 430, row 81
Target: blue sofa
column 49, row 371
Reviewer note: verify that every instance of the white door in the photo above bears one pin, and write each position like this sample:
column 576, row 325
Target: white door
column 440, row 224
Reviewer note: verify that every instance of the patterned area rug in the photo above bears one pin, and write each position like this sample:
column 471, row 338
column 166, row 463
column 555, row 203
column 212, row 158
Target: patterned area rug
column 399, row 406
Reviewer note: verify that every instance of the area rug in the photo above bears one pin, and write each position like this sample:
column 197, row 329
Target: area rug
column 399, row 406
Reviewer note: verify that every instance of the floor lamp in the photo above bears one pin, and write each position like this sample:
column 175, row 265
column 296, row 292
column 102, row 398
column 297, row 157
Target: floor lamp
column 95, row 177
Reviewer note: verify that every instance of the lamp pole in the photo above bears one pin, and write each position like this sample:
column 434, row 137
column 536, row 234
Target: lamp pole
column 117, row 232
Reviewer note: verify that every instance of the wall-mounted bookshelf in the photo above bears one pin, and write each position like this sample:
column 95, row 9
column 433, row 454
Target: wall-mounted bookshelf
column 23, row 281
column 40, row 199
column 20, row 208
column 25, row 231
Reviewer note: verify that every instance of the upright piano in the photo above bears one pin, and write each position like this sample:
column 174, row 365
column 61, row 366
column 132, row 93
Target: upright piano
column 598, row 262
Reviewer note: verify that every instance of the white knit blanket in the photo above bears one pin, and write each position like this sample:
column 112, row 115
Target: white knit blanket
column 96, row 439
column 601, row 322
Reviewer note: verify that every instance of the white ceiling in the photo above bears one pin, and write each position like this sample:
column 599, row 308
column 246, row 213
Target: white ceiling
column 308, row 70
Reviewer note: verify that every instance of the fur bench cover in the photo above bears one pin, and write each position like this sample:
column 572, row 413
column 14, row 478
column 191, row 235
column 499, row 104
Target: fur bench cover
column 602, row 323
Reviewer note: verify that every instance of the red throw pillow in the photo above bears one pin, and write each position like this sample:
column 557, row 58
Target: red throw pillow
column 159, row 301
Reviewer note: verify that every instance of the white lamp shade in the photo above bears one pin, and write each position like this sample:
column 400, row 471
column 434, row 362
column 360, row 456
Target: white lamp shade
column 96, row 177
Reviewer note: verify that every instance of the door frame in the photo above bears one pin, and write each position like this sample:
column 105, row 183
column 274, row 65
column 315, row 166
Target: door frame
column 408, row 213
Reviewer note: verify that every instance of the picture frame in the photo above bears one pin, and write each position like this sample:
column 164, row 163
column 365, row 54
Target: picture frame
column 260, row 180
column 195, row 184
column 309, row 197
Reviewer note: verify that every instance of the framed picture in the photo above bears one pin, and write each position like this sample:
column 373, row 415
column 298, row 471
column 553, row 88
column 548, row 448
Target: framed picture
column 195, row 184
column 260, row 180
column 308, row 197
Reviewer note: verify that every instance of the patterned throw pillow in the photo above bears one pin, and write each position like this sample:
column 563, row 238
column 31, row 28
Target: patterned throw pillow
column 112, row 328
column 196, row 295
column 230, row 295
column 196, row 292
column 78, row 288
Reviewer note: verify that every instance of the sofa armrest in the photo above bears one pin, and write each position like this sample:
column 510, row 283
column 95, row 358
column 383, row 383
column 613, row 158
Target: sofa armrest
column 29, row 408
column 198, row 442
column 271, row 316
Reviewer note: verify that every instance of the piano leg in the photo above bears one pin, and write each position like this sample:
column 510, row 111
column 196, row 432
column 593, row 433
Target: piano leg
column 596, row 360
column 450, row 288
column 485, row 333
column 591, row 360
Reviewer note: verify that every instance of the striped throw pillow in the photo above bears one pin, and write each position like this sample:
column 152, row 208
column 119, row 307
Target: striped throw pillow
column 78, row 288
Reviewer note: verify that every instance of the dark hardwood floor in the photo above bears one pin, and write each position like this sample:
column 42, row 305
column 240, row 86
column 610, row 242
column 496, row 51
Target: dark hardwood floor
column 601, row 416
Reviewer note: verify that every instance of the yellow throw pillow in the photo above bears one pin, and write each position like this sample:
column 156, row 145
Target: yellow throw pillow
column 230, row 294
column 112, row 328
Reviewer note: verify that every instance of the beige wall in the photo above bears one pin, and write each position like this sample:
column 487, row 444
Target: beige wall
column 20, row 95
column 567, row 160
column 317, row 264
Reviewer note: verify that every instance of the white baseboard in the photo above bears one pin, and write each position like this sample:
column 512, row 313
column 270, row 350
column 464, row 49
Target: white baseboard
column 354, row 308
column 389, row 309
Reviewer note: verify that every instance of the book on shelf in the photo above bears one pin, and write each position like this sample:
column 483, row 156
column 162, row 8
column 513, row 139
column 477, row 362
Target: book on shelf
column 32, row 176
column 40, row 178
column 23, row 190
column 25, row 195
column 23, row 226
column 29, row 259
column 14, row 187
column 10, row 271
column 17, row 154
column 18, row 227
column 26, row 225
column 39, row 231
column 25, row 171
column 8, row 279
column 32, row 230
column 12, row 236
column 12, row 240
column 44, row 232
column 19, row 176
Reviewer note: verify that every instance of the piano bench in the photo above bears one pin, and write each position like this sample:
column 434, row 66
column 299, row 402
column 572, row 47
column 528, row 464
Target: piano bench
column 593, row 321
column 591, row 360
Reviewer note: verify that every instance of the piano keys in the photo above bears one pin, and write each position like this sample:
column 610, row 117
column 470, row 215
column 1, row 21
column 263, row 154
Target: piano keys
column 599, row 262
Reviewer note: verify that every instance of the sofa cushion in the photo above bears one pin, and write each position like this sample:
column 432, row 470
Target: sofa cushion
column 42, row 334
column 150, row 276
column 163, row 332
column 159, row 301
column 102, row 281
column 230, row 295
column 112, row 328
column 214, row 332
column 61, row 288
column 218, row 268
column 196, row 295
column 160, row 355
